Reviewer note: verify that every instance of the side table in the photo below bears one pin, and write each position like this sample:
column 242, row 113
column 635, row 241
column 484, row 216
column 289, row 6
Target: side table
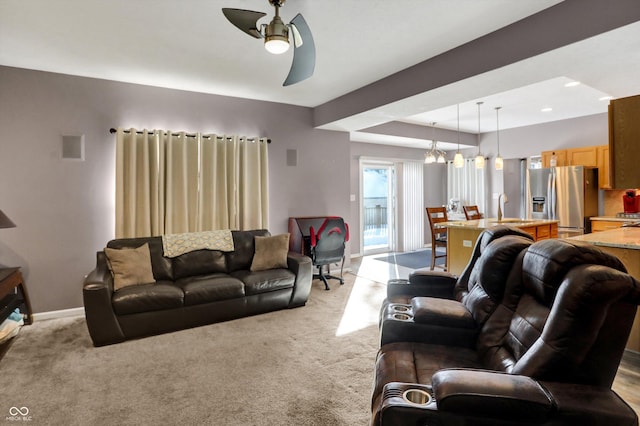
column 13, row 294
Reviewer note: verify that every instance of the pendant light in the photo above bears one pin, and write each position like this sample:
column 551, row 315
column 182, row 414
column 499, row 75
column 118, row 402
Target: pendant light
column 479, row 157
column 429, row 158
column 434, row 155
column 458, row 161
column 499, row 163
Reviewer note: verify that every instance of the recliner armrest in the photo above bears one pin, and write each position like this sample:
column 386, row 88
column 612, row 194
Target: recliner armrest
column 424, row 282
column 480, row 393
column 434, row 311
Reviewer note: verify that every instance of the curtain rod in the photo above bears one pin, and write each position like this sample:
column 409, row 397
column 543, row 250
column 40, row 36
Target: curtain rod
column 112, row 130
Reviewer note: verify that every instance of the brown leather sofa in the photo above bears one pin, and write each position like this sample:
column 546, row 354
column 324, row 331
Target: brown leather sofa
column 193, row 289
column 546, row 353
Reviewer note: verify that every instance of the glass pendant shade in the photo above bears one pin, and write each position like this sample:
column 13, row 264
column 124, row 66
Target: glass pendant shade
column 441, row 159
column 479, row 157
column 499, row 162
column 429, row 158
column 458, row 160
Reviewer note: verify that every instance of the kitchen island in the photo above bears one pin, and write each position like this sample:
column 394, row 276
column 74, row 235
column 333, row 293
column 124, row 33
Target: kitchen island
column 462, row 236
column 624, row 243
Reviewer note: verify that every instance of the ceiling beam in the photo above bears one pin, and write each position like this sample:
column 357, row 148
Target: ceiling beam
column 560, row 25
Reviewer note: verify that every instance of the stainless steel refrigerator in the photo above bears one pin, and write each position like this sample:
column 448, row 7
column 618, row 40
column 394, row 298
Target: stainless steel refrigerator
column 568, row 194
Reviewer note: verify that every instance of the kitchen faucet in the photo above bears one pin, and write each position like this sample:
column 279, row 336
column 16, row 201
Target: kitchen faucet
column 506, row 200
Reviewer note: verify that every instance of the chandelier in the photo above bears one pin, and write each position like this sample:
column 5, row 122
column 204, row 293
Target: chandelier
column 434, row 155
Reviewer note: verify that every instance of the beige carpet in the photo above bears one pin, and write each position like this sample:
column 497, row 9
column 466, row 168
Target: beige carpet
column 307, row 366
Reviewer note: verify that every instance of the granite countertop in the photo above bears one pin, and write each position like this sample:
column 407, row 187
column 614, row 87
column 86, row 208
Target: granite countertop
column 614, row 218
column 489, row 222
column 628, row 238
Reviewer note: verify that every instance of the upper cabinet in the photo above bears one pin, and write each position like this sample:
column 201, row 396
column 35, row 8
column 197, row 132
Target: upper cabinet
column 588, row 156
column 560, row 154
column 624, row 142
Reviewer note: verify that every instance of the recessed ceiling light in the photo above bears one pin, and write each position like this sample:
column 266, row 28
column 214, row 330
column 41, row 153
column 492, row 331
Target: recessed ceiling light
column 547, row 109
column 572, row 84
column 606, row 98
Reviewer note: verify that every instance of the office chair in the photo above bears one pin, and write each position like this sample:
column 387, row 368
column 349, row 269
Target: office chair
column 328, row 246
column 471, row 212
column 438, row 235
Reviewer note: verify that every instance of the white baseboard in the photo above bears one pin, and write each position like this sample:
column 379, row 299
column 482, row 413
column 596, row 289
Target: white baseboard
column 64, row 313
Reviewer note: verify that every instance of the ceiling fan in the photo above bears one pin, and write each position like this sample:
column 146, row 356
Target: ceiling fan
column 276, row 38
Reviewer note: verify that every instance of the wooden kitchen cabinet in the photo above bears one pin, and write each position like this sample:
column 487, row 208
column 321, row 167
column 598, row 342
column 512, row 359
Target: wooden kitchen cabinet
column 588, row 156
column 584, row 156
column 624, row 142
column 605, row 225
column 604, row 172
column 462, row 236
column 561, row 157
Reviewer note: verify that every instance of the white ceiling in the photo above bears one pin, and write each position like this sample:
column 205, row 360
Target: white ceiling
column 189, row 45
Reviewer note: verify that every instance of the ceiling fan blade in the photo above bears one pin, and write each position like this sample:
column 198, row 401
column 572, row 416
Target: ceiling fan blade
column 304, row 52
column 246, row 20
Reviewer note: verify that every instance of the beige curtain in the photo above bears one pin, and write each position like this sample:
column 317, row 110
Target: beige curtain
column 170, row 182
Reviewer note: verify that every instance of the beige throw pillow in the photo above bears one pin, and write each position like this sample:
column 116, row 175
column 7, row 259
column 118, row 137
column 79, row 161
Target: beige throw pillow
column 130, row 266
column 271, row 252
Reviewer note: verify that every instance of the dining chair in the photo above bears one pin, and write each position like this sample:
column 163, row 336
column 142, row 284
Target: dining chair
column 471, row 212
column 438, row 235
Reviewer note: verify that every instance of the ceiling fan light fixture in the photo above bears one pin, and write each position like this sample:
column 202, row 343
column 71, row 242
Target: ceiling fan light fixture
column 276, row 45
column 276, row 36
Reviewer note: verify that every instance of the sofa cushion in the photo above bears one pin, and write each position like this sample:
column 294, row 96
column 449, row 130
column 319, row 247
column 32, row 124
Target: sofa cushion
column 161, row 265
column 210, row 288
column 417, row 362
column 130, row 266
column 265, row 281
column 271, row 252
column 199, row 262
column 147, row 297
column 244, row 244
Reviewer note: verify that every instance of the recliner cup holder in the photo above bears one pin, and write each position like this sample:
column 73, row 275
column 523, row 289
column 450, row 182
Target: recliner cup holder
column 400, row 308
column 416, row 396
column 402, row 317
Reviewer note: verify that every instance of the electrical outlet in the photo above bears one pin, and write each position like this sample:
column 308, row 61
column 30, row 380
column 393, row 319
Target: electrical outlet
column 466, row 243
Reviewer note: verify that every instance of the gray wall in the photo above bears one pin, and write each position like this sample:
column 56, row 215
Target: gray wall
column 64, row 209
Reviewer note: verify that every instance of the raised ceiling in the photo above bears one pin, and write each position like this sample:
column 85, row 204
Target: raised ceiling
column 363, row 46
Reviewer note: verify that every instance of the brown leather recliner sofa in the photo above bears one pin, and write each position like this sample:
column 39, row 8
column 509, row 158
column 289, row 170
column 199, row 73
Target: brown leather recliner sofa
column 536, row 340
column 196, row 288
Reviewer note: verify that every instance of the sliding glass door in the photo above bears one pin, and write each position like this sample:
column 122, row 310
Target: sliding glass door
column 378, row 207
